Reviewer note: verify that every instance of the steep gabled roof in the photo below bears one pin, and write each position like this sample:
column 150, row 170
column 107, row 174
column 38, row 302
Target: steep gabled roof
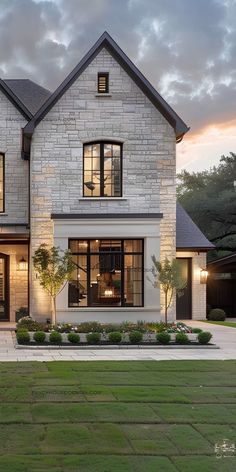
column 29, row 93
column 188, row 235
column 106, row 41
column 14, row 99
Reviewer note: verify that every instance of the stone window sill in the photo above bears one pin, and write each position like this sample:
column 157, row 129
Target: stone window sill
column 91, row 199
column 3, row 214
column 103, row 95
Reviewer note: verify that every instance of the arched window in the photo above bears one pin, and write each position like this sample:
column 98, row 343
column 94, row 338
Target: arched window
column 102, row 170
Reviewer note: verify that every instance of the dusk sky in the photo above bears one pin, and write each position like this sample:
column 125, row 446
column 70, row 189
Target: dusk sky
column 186, row 48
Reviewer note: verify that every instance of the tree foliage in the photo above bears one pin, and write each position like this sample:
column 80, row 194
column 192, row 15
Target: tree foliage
column 167, row 275
column 210, row 199
column 54, row 268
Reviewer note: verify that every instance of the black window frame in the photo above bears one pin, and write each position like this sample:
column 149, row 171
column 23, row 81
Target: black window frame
column 2, row 154
column 122, row 254
column 104, row 75
column 102, row 144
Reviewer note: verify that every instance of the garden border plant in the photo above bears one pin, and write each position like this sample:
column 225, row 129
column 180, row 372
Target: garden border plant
column 148, row 334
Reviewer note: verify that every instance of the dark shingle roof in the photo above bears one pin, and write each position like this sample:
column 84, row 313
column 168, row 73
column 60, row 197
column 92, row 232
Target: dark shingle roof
column 28, row 92
column 188, row 235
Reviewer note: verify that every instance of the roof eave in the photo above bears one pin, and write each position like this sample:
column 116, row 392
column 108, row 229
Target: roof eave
column 15, row 100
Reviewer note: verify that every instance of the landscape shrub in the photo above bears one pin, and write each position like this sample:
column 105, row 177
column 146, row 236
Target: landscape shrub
column 28, row 323
column 22, row 336
column 197, row 330
column 181, row 338
column 55, row 337
column 90, row 327
column 115, row 337
column 216, row 314
column 163, row 337
column 93, row 338
column 135, row 337
column 73, row 338
column 204, row 337
column 39, row 336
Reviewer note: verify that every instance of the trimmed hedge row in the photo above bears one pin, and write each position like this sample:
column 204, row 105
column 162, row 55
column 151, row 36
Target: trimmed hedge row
column 115, row 337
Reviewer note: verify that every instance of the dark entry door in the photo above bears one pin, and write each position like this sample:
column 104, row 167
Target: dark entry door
column 4, row 290
column 184, row 302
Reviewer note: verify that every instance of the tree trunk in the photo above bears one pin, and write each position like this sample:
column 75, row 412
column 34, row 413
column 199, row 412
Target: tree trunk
column 54, row 311
column 166, row 308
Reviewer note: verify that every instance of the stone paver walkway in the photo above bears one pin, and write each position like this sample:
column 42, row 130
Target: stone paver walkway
column 223, row 336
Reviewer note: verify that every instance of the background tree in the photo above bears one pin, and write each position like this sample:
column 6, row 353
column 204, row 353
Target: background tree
column 167, row 275
column 210, row 199
column 54, row 268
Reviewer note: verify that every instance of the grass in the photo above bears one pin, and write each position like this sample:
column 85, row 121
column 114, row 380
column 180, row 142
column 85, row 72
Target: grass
column 230, row 324
column 113, row 416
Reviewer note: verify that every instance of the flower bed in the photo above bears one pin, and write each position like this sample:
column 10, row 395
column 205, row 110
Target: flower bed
column 143, row 334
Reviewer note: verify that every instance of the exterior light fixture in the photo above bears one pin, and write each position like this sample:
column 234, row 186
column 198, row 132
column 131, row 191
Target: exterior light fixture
column 22, row 264
column 203, row 276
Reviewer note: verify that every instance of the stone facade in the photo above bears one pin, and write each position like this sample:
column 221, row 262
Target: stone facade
column 16, row 170
column 81, row 116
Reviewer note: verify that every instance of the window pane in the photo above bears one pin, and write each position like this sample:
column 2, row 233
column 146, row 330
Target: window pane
column 105, row 280
column 133, row 280
column 87, row 150
column 116, row 148
column 107, row 150
column 96, row 150
column 77, row 286
column 78, row 246
column 133, row 245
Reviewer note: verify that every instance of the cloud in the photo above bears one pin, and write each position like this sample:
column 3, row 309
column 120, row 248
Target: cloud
column 186, row 48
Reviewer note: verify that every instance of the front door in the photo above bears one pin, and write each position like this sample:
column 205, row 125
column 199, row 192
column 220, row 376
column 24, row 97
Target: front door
column 184, row 302
column 4, row 289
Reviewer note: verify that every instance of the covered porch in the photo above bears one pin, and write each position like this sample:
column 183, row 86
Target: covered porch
column 14, row 279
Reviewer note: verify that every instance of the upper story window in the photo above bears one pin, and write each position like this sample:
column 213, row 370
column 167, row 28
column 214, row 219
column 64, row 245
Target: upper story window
column 103, row 82
column 102, row 170
column 2, row 183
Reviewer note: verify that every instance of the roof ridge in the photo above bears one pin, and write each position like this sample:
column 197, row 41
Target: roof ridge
column 105, row 40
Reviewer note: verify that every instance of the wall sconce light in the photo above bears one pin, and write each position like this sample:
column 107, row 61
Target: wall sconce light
column 22, row 265
column 203, row 276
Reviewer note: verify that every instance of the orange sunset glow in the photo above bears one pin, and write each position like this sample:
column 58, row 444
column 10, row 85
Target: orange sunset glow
column 203, row 149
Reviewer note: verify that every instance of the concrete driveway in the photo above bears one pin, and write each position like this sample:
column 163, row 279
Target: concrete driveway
column 223, row 337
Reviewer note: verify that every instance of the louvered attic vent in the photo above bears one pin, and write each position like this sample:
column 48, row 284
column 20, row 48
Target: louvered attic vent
column 103, row 82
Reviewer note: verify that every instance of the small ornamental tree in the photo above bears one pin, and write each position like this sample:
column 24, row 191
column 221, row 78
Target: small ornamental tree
column 54, row 268
column 167, row 275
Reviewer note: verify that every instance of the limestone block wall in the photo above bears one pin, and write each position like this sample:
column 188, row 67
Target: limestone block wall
column 81, row 116
column 16, row 170
column 198, row 289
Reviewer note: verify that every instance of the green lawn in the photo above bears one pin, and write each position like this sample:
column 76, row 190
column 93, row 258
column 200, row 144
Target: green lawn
column 116, row 416
column 231, row 324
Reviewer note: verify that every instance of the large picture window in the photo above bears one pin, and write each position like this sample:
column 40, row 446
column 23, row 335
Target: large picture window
column 109, row 272
column 2, row 184
column 102, row 170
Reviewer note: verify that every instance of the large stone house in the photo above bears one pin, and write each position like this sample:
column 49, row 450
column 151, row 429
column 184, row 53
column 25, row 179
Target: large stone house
column 92, row 167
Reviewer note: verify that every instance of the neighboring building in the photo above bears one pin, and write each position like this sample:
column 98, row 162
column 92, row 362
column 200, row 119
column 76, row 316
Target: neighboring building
column 221, row 284
column 98, row 156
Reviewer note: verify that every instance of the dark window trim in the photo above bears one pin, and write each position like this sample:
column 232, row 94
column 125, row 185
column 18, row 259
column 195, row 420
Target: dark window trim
column 88, row 254
column 112, row 216
column 106, row 76
column 2, row 154
column 101, row 144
